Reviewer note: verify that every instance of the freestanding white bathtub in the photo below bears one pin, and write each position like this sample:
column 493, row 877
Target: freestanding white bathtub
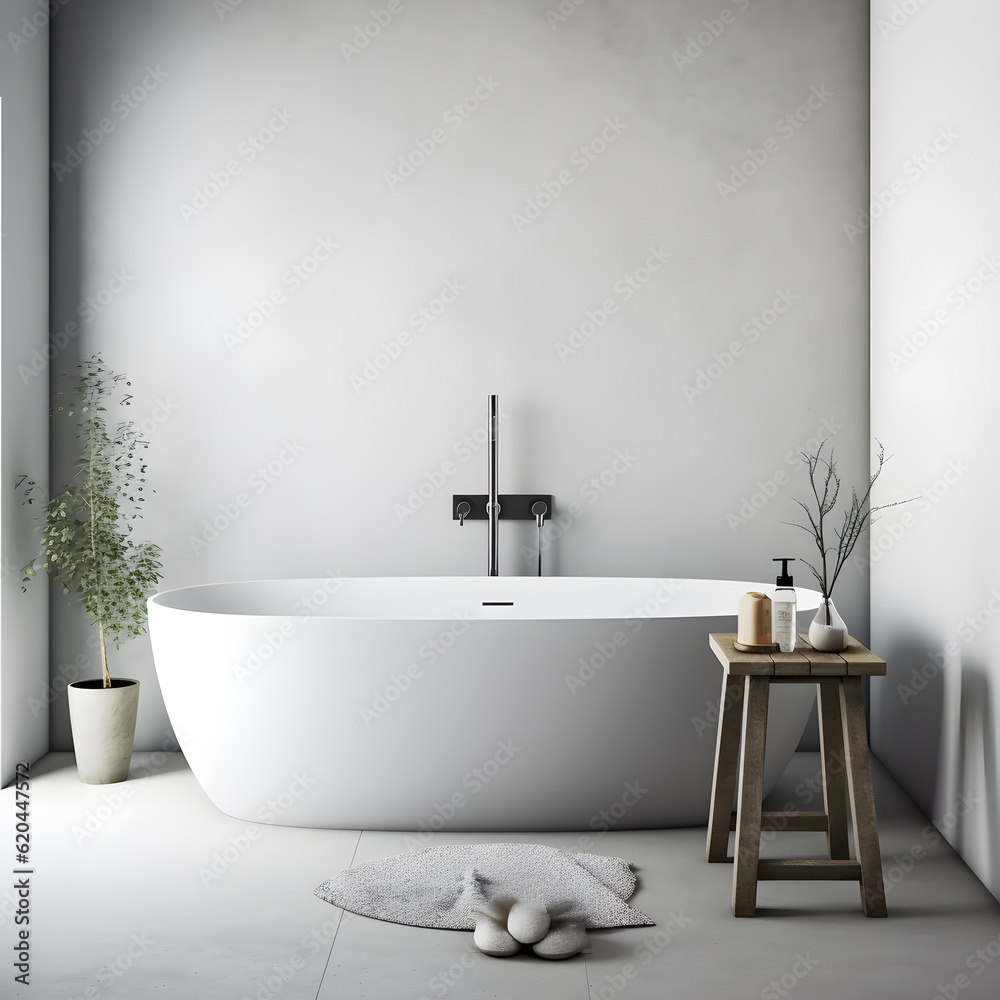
column 456, row 703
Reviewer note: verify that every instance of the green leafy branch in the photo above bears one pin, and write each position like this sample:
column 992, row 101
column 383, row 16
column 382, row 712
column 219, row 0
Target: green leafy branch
column 86, row 542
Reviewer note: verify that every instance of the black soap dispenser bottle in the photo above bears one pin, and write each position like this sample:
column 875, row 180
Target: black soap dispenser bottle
column 783, row 609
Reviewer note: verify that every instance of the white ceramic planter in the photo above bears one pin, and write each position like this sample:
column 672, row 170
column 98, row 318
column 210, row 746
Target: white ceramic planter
column 103, row 723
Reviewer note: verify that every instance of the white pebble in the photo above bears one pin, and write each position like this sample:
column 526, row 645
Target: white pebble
column 528, row 922
column 563, row 941
column 491, row 938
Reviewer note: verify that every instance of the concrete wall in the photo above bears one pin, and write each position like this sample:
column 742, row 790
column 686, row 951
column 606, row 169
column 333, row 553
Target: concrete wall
column 935, row 582
column 316, row 240
column 24, row 385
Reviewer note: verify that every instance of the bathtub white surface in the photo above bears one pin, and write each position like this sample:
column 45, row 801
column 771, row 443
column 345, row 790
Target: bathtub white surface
column 409, row 704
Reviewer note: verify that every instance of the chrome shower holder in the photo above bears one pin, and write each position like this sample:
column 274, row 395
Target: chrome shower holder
column 496, row 508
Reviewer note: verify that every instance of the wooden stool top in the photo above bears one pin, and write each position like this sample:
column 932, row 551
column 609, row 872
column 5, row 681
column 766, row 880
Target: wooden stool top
column 803, row 662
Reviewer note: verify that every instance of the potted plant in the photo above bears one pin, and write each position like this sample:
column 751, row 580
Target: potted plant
column 87, row 546
column 828, row 631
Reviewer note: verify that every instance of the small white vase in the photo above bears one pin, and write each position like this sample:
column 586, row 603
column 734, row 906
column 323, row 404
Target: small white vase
column 103, row 724
column 828, row 631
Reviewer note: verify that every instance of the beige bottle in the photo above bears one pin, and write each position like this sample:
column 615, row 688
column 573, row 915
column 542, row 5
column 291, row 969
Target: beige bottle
column 754, row 621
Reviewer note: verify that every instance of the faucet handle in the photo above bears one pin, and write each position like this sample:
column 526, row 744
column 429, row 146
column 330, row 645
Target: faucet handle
column 539, row 508
column 463, row 510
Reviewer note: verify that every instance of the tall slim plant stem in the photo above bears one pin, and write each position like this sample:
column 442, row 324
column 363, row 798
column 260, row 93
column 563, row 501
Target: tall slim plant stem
column 104, row 654
column 106, row 674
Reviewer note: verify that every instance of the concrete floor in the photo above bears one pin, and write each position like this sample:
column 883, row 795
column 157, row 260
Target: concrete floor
column 144, row 889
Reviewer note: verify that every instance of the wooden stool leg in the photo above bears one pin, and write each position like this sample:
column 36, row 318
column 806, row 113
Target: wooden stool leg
column 859, row 785
column 727, row 757
column 831, row 750
column 748, row 809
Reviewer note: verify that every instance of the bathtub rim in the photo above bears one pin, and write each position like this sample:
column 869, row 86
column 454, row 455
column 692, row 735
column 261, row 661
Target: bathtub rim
column 807, row 598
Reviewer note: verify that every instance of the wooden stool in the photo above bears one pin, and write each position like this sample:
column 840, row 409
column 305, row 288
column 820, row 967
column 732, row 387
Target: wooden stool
column 745, row 686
